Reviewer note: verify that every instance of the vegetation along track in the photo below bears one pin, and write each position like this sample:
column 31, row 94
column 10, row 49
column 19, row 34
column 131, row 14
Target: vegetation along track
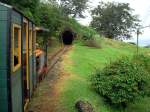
column 57, row 56
column 46, row 95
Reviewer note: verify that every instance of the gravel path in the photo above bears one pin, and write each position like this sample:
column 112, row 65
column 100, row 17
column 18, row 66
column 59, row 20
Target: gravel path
column 45, row 97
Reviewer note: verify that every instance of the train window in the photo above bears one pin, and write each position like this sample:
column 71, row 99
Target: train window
column 16, row 47
column 30, row 42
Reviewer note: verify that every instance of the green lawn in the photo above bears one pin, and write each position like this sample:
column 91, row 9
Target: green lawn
column 83, row 61
column 54, row 45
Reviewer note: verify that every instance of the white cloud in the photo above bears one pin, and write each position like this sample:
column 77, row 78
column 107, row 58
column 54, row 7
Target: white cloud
column 141, row 7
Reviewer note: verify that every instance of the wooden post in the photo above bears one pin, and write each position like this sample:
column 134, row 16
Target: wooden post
column 138, row 32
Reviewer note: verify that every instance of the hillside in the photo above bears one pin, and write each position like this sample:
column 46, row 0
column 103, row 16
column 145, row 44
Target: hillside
column 79, row 64
column 48, row 58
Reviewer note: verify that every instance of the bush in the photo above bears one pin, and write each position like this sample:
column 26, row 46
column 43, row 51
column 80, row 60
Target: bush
column 121, row 82
column 91, row 43
column 91, row 40
column 87, row 33
column 143, row 60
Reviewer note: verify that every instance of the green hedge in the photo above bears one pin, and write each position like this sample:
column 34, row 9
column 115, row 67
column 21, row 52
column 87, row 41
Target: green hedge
column 122, row 81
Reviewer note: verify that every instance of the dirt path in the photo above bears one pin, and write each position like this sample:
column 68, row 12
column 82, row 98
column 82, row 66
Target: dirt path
column 45, row 98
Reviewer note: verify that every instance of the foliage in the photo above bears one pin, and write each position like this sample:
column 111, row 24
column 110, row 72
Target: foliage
column 40, row 42
column 49, row 16
column 28, row 7
column 114, row 20
column 89, row 37
column 88, row 33
column 75, row 8
column 82, row 32
column 91, row 43
column 121, row 82
column 80, row 62
column 143, row 60
column 139, row 106
column 52, row 15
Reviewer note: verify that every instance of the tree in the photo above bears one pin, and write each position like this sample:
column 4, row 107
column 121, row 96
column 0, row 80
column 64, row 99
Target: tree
column 74, row 8
column 28, row 7
column 114, row 20
column 6, row 1
column 50, row 16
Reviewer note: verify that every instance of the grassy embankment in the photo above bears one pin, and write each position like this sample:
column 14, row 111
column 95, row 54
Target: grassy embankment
column 54, row 45
column 80, row 62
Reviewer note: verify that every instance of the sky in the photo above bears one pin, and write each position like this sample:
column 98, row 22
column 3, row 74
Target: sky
column 141, row 7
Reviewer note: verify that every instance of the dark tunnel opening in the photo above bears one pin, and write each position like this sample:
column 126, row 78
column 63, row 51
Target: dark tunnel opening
column 67, row 37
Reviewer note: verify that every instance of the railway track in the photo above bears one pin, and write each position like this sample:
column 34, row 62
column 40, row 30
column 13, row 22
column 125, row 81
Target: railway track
column 46, row 92
column 57, row 56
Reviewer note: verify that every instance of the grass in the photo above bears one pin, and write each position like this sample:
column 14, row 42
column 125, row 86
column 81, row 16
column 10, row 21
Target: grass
column 83, row 61
column 54, row 45
column 142, row 105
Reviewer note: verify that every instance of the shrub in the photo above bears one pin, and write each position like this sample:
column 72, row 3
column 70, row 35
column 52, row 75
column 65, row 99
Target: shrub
column 88, row 33
column 143, row 60
column 91, row 40
column 91, row 43
column 121, row 82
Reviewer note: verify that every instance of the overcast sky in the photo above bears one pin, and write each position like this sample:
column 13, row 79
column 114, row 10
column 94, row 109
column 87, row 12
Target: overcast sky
column 141, row 7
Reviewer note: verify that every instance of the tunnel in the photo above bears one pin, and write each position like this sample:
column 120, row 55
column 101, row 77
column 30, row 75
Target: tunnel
column 67, row 37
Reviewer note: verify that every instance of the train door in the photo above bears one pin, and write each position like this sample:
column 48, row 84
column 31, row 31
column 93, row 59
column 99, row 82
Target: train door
column 25, row 64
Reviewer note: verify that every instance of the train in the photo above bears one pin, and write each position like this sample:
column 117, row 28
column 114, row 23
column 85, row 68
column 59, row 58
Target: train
column 21, row 63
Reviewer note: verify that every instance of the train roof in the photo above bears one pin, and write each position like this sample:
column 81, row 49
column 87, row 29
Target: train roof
column 42, row 29
column 15, row 9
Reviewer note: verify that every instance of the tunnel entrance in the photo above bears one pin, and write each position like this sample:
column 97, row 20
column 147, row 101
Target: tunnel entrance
column 67, row 37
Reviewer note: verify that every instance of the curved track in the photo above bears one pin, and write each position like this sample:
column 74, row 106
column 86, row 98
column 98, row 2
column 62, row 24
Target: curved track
column 45, row 97
column 56, row 57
